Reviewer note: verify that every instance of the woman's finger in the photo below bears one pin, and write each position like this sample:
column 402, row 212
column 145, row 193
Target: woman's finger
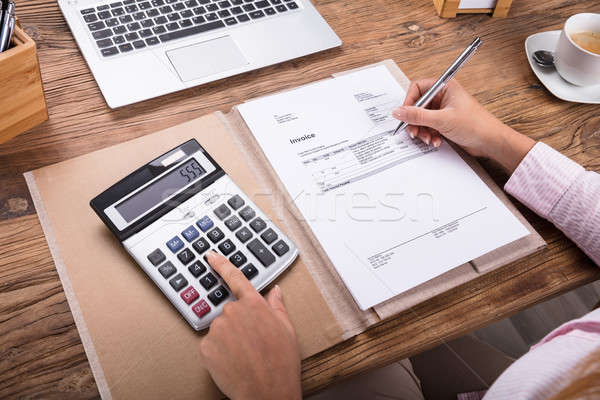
column 424, row 134
column 416, row 90
column 412, row 131
column 233, row 277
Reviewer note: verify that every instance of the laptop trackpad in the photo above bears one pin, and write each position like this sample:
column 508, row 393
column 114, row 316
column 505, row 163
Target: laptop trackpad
column 206, row 58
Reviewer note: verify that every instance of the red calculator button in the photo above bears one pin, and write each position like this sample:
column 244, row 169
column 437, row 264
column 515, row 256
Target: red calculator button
column 190, row 294
column 201, row 308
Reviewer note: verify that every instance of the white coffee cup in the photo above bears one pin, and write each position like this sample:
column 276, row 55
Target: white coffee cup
column 576, row 65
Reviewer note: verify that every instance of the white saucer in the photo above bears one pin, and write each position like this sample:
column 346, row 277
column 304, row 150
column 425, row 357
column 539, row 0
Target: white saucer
column 551, row 79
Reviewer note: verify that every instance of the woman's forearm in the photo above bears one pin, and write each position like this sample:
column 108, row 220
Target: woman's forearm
column 510, row 147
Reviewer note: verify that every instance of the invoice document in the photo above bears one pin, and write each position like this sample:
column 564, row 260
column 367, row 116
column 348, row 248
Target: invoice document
column 390, row 212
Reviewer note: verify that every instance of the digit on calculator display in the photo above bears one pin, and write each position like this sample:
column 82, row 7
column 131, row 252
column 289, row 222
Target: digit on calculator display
column 161, row 189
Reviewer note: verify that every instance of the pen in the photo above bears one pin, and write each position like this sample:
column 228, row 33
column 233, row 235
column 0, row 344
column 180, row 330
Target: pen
column 444, row 79
column 8, row 24
column 2, row 9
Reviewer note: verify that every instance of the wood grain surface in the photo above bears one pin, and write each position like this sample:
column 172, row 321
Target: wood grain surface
column 41, row 355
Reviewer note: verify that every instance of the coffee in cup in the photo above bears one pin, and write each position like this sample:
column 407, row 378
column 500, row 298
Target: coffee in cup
column 587, row 40
column 577, row 55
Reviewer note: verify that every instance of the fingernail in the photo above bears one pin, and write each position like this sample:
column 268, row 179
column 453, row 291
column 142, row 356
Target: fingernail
column 426, row 140
column 211, row 256
column 278, row 292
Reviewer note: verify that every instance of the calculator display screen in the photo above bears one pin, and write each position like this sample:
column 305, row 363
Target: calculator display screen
column 160, row 190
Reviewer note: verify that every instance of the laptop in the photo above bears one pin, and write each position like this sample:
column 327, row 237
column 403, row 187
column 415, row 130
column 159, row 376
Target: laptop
column 140, row 49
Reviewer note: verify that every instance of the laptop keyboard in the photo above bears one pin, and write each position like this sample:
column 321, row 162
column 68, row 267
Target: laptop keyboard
column 130, row 25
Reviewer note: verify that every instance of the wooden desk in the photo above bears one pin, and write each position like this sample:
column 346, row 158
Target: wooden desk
column 40, row 350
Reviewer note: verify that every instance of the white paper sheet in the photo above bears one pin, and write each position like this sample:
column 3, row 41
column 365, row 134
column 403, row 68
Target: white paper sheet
column 464, row 4
column 389, row 215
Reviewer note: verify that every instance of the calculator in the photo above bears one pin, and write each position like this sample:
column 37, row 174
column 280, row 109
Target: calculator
column 170, row 212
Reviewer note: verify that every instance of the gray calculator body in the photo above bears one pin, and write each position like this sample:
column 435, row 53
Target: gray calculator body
column 168, row 213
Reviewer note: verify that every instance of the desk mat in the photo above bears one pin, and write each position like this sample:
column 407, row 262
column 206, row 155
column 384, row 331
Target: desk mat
column 137, row 344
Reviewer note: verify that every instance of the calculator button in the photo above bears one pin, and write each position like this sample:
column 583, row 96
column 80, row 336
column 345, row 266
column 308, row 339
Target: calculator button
column 280, row 248
column 186, row 256
column 258, row 224
column 249, row 271
column 167, row 269
column 263, row 254
column 269, row 236
column 156, row 257
column 189, row 295
column 222, row 211
column 175, row 244
column 208, row 281
column 247, row 213
column 201, row 245
column 190, row 233
column 227, row 247
column 233, row 223
column 238, row 259
column 243, row 234
column 197, row 268
column 205, row 223
column 201, row 308
column 179, row 282
column 218, row 295
column 215, row 235
column 235, row 202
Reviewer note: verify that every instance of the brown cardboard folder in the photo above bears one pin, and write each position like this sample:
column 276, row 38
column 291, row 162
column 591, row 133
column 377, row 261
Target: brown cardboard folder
column 137, row 344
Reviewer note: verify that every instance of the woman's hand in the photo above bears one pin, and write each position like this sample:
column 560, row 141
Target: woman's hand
column 457, row 116
column 251, row 350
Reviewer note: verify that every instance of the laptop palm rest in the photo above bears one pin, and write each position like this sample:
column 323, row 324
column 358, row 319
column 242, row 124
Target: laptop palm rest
column 206, row 58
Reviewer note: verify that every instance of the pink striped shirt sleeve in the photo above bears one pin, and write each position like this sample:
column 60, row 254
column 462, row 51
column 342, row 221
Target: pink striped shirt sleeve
column 563, row 192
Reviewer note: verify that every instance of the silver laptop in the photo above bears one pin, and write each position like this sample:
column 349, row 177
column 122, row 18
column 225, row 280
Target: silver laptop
column 139, row 49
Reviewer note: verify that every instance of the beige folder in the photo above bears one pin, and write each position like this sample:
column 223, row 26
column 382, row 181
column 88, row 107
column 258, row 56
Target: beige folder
column 137, row 344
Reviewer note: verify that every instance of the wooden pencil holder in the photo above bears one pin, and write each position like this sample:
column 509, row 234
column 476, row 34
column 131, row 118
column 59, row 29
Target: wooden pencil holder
column 22, row 103
column 449, row 8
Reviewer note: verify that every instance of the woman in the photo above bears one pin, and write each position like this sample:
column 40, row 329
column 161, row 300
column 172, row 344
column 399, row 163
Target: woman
column 251, row 350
